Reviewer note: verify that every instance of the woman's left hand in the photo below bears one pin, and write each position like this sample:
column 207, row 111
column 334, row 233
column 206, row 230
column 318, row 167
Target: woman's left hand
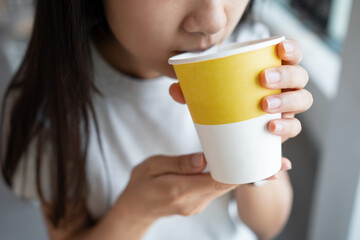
column 291, row 78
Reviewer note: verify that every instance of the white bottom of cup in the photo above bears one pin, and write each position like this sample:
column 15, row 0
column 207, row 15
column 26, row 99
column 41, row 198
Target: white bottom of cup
column 241, row 152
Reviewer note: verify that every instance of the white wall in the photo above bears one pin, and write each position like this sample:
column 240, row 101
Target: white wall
column 338, row 177
column 354, row 228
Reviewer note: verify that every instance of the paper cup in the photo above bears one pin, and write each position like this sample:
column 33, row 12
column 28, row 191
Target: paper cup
column 222, row 90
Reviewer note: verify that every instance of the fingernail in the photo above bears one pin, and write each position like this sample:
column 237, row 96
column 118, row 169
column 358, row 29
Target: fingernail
column 288, row 46
column 197, row 160
column 278, row 127
column 273, row 102
column 272, row 76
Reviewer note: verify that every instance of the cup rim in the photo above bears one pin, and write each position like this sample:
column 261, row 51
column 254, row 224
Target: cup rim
column 225, row 50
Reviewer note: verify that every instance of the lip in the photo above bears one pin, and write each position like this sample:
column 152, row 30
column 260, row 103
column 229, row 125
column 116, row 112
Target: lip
column 226, row 50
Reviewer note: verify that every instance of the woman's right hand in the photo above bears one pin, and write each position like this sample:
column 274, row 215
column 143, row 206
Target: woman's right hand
column 159, row 186
column 164, row 185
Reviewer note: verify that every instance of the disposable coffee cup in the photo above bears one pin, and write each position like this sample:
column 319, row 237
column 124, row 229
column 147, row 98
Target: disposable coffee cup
column 222, row 90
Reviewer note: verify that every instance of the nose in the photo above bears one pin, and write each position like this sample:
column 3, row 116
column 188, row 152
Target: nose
column 207, row 16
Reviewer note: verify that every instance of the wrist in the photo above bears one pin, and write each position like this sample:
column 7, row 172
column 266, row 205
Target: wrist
column 130, row 213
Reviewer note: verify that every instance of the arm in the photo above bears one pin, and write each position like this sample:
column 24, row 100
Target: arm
column 160, row 186
column 117, row 224
column 266, row 208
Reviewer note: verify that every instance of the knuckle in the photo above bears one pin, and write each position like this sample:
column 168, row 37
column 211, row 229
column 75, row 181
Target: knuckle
column 306, row 74
column 299, row 125
column 197, row 210
column 218, row 186
column 173, row 194
column 295, row 100
column 181, row 164
column 299, row 54
column 302, row 76
column 190, row 210
column 186, row 211
column 294, row 76
column 296, row 127
column 310, row 98
column 182, row 208
column 298, row 50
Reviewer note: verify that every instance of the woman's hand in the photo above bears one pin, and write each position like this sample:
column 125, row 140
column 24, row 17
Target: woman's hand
column 291, row 78
column 163, row 186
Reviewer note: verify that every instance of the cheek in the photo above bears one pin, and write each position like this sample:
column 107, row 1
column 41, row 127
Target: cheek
column 235, row 11
column 148, row 41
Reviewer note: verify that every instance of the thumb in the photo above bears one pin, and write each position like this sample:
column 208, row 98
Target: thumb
column 184, row 164
column 176, row 93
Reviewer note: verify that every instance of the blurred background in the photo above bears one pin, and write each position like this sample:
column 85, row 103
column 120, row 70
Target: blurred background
column 325, row 156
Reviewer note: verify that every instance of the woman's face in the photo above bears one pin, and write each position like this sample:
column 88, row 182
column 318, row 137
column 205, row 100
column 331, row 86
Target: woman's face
column 148, row 32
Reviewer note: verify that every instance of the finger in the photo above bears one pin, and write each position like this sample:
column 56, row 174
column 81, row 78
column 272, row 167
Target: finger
column 200, row 184
column 284, row 77
column 176, row 93
column 290, row 52
column 291, row 101
column 286, row 128
column 208, row 185
column 285, row 164
column 185, row 164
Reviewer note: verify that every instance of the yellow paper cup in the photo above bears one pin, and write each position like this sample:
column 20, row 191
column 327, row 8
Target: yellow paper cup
column 222, row 90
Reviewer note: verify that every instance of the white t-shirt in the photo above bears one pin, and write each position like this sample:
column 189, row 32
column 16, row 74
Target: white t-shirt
column 138, row 119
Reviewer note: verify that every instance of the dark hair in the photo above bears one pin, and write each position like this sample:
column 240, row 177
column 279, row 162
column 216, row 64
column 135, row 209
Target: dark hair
column 55, row 86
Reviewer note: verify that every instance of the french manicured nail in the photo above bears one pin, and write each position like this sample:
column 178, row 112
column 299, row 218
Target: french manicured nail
column 197, row 160
column 288, row 46
column 273, row 102
column 272, row 76
column 278, row 127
